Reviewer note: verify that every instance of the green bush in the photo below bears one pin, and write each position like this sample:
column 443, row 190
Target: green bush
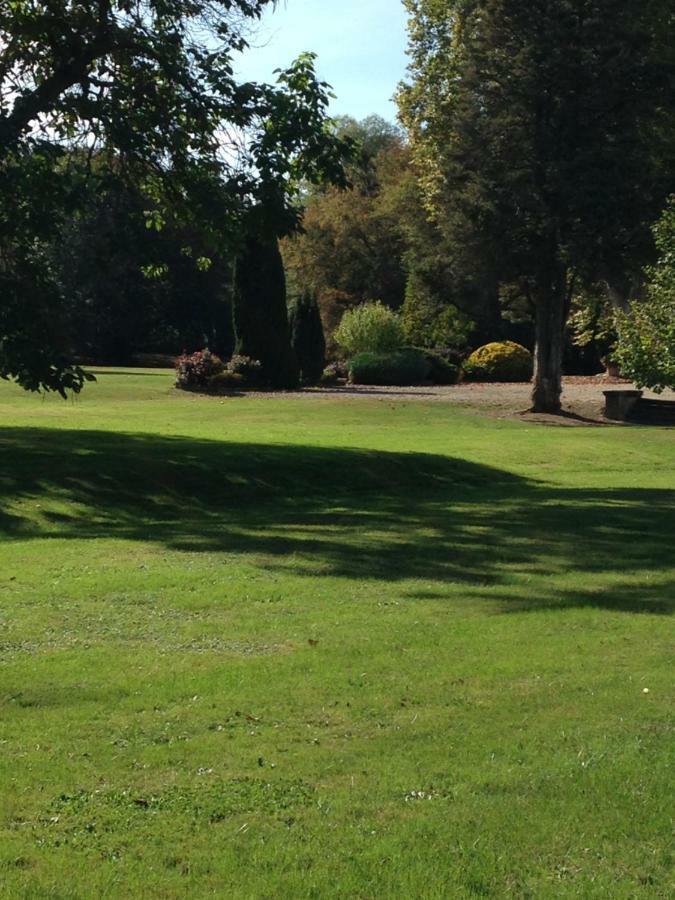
column 505, row 361
column 250, row 371
column 334, row 373
column 645, row 349
column 370, row 328
column 405, row 367
column 441, row 370
column 241, row 373
column 224, row 382
column 432, row 322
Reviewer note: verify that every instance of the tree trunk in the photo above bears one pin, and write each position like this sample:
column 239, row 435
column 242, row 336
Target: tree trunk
column 259, row 312
column 550, row 330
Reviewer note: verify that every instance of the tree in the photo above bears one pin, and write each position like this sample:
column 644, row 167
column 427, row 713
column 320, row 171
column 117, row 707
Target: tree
column 539, row 133
column 645, row 348
column 150, row 85
column 307, row 337
column 350, row 240
column 124, row 288
column 350, row 247
column 260, row 316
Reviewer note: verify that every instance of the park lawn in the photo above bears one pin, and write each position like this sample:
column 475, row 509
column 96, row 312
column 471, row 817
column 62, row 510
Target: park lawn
column 309, row 647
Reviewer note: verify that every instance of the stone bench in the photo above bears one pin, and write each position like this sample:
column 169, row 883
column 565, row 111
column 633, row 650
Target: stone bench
column 620, row 404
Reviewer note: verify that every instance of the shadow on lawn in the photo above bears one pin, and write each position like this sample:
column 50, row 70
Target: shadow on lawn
column 344, row 512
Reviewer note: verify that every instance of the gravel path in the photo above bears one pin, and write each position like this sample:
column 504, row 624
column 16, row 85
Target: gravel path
column 583, row 399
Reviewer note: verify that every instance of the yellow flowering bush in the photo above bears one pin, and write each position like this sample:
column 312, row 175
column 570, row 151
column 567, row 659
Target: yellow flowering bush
column 499, row 361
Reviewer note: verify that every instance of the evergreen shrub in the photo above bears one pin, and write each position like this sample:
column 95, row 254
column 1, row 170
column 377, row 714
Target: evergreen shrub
column 370, row 328
column 442, row 370
column 502, row 361
column 402, row 368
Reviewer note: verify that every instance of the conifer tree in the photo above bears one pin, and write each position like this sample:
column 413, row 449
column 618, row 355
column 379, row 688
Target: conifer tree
column 259, row 311
column 540, row 130
column 307, row 337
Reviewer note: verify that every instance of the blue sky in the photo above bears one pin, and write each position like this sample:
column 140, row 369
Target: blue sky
column 360, row 46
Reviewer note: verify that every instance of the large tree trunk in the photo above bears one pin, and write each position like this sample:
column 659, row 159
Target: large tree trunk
column 552, row 308
column 259, row 312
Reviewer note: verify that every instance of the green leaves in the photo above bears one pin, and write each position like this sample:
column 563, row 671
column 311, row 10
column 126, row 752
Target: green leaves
column 645, row 348
column 148, row 87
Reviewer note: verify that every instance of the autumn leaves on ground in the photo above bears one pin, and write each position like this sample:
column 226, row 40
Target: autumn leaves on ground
column 318, row 647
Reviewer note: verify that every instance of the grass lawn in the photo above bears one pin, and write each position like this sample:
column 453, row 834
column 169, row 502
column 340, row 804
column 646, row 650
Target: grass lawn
column 309, row 647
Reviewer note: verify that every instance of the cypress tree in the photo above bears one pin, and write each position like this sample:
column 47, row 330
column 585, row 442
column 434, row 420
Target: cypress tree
column 307, row 337
column 259, row 311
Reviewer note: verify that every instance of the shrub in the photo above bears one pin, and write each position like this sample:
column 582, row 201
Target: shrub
column 224, row 382
column 429, row 321
column 405, row 367
column 334, row 373
column 441, row 370
column 505, row 361
column 241, row 373
column 249, row 371
column 370, row 328
column 193, row 371
column 645, row 348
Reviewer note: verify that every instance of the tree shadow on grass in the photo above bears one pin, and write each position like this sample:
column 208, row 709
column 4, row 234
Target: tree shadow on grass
column 341, row 512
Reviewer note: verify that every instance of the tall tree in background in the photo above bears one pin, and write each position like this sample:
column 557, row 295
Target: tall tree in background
column 538, row 130
column 127, row 289
column 150, row 84
column 350, row 246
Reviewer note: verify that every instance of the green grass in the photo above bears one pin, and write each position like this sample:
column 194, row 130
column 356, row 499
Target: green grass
column 267, row 648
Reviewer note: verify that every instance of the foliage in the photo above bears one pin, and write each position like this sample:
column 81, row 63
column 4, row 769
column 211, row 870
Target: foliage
column 350, row 247
column 402, row 367
column 307, row 337
column 430, row 322
column 151, row 87
column 249, row 369
column 592, row 319
column 499, row 361
column 442, row 370
column 226, row 381
column 260, row 313
column 376, row 240
column 370, row 328
column 645, row 348
column 542, row 166
column 127, row 288
column 194, row 370
column 334, row 373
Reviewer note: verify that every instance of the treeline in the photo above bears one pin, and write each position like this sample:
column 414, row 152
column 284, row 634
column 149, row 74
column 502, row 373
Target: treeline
column 143, row 188
column 375, row 241
column 124, row 287
column 151, row 203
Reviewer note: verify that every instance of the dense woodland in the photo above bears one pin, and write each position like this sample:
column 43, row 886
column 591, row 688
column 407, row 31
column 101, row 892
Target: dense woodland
column 150, row 204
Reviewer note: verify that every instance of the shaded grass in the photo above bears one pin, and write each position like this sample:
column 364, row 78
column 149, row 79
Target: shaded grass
column 317, row 649
column 333, row 511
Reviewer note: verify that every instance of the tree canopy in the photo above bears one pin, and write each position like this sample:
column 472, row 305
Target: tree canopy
column 645, row 347
column 540, row 134
column 150, row 86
